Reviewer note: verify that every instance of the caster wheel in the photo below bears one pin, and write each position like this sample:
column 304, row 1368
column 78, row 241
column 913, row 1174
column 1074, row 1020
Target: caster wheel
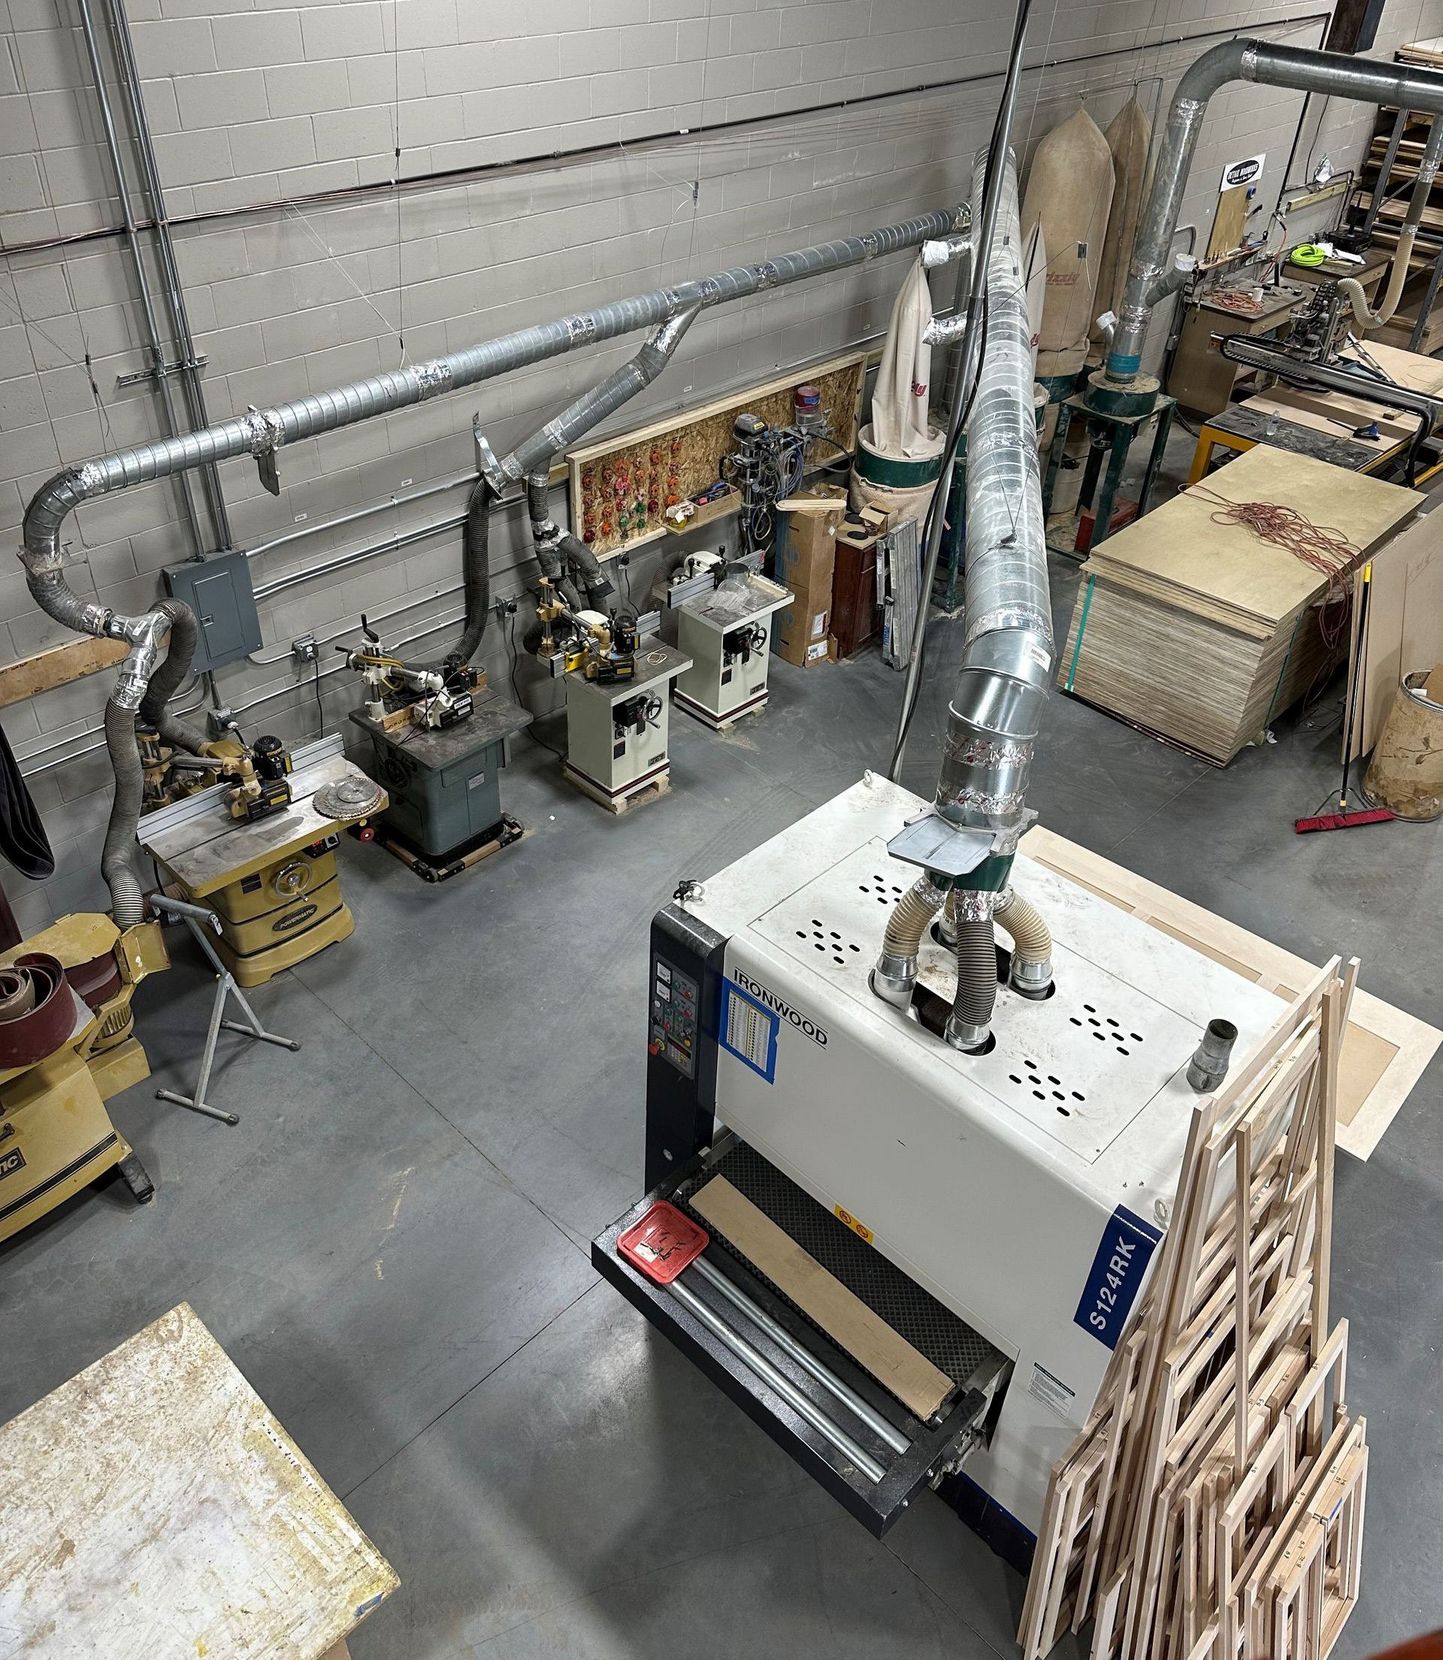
column 136, row 1179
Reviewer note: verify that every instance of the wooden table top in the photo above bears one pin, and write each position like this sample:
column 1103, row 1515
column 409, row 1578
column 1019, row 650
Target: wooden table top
column 156, row 1510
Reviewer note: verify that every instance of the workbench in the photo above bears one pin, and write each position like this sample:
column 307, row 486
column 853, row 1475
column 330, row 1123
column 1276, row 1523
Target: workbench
column 1201, row 378
column 1324, row 424
column 156, row 1510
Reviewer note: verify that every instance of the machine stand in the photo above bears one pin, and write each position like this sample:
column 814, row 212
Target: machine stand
column 225, row 987
column 1111, row 434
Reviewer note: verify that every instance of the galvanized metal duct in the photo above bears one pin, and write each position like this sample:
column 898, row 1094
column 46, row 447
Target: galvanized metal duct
column 261, row 432
column 1007, row 651
column 967, row 847
column 1296, row 68
column 592, row 407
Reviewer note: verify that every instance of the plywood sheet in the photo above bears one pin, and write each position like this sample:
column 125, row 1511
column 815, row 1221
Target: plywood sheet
column 58, row 666
column 154, row 1508
column 1179, row 544
column 1405, row 622
column 1228, row 221
column 895, row 1364
column 1384, row 1050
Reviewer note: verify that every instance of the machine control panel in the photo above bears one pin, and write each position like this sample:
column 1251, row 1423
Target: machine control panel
column 675, row 999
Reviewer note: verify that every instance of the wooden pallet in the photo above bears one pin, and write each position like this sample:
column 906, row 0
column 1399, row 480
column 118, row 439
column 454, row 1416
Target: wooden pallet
column 1213, row 1503
column 652, row 790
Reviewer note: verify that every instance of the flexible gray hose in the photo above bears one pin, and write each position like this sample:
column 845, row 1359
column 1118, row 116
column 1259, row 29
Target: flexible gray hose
column 976, row 973
column 165, row 682
column 127, row 902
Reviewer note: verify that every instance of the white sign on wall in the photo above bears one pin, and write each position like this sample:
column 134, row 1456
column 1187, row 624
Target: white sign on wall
column 1247, row 171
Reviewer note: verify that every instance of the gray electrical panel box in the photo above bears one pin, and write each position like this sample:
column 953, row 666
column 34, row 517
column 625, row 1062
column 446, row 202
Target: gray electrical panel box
column 218, row 589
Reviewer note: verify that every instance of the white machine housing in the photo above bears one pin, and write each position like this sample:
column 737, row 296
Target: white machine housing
column 613, row 757
column 1025, row 1188
column 720, row 686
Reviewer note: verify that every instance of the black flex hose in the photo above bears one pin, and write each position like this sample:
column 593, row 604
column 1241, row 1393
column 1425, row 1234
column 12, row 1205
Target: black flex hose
column 476, row 569
column 587, row 566
column 127, row 902
column 976, row 974
column 164, row 683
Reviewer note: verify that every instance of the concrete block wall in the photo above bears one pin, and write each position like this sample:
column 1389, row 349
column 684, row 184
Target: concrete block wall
column 256, row 102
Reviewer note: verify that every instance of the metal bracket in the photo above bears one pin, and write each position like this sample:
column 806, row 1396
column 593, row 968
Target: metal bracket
column 181, row 366
column 942, row 847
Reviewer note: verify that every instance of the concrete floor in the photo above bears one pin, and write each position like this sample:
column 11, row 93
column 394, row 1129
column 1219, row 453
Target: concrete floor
column 393, row 1244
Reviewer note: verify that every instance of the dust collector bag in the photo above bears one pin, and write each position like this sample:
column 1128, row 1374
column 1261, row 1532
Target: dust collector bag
column 22, row 836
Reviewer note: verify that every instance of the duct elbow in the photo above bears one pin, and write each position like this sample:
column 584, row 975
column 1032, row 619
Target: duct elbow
column 942, row 331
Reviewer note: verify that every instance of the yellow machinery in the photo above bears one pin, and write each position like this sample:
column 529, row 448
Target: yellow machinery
column 67, row 1045
column 272, row 881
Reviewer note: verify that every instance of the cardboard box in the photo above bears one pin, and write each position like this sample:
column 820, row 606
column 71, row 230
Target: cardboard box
column 806, row 552
column 800, row 629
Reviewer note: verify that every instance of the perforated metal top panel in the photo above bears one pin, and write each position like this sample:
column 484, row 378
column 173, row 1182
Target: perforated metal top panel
column 1079, row 1066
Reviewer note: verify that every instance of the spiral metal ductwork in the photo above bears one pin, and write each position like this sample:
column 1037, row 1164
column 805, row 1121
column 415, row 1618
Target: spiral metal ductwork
column 261, row 432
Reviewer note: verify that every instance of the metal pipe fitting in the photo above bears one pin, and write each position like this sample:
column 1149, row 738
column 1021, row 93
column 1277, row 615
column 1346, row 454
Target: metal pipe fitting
column 1300, row 70
column 1212, row 1057
column 591, row 408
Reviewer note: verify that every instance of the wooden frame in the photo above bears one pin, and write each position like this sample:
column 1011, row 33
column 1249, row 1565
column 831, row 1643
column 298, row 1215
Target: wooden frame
column 1385, row 1050
column 1212, row 1506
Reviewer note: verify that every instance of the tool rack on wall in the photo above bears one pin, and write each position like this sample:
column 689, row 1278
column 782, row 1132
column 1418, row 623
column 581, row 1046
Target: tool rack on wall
column 620, row 487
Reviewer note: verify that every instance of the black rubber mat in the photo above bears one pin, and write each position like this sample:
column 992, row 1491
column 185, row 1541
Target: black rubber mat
column 934, row 1331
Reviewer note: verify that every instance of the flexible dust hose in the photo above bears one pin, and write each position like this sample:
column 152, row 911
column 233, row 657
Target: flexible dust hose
column 1351, row 289
column 584, row 563
column 127, row 902
column 1031, row 940
column 895, row 975
column 476, row 569
column 971, row 1018
column 165, row 682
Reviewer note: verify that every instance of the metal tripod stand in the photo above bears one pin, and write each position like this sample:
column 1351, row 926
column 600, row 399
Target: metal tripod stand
column 197, row 918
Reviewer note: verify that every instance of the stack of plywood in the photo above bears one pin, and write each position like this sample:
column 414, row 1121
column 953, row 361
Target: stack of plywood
column 1212, row 1507
column 1202, row 632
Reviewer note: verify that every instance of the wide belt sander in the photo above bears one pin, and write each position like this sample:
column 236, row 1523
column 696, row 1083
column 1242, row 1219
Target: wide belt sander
column 67, row 1045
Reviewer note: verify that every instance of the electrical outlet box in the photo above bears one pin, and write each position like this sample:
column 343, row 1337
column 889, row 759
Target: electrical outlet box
column 305, row 649
column 218, row 589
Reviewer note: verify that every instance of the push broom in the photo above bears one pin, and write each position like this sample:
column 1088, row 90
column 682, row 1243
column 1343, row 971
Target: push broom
column 1343, row 819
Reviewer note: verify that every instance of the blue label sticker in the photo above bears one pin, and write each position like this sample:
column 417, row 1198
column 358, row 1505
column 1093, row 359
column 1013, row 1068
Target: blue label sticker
column 749, row 1030
column 1118, row 1270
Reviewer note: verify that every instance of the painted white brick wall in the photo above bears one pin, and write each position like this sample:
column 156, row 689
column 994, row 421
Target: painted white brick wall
column 256, row 102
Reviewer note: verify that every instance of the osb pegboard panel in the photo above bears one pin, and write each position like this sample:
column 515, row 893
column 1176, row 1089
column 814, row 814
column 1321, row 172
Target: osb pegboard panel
column 620, row 487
